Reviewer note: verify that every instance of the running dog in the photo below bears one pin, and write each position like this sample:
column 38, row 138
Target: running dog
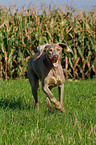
column 46, row 66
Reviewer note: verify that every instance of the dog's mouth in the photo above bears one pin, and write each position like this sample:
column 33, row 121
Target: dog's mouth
column 55, row 63
column 54, row 60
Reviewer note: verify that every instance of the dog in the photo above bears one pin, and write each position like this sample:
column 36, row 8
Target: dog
column 45, row 65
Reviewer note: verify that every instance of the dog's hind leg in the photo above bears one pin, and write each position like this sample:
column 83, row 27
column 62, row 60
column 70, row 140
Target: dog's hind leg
column 34, row 81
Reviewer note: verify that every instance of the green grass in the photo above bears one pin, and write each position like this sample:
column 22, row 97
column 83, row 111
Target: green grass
column 21, row 124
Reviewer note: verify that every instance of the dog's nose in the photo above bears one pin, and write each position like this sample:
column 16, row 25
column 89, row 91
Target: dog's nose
column 55, row 57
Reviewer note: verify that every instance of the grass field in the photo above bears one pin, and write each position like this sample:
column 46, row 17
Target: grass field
column 21, row 124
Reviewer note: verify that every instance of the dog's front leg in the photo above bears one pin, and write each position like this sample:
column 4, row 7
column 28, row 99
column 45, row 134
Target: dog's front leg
column 50, row 108
column 61, row 91
column 52, row 98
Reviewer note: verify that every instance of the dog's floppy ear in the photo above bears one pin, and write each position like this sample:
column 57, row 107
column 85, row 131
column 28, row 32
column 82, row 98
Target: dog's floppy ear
column 64, row 46
column 41, row 49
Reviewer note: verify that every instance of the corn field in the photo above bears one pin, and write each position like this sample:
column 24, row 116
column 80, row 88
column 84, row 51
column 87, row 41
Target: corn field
column 21, row 33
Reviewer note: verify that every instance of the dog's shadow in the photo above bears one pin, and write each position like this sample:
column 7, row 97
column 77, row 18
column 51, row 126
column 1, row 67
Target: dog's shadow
column 14, row 104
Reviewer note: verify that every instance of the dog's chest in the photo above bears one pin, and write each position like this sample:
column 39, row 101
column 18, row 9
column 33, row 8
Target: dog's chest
column 55, row 77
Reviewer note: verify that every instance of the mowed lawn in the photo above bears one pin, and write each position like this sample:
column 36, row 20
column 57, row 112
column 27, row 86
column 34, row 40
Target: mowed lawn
column 21, row 124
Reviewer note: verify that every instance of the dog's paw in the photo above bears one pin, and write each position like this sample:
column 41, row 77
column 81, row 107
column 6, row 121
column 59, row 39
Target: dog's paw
column 51, row 110
column 37, row 106
column 62, row 109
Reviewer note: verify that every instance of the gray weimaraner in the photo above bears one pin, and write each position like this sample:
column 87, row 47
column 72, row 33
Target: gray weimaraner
column 46, row 66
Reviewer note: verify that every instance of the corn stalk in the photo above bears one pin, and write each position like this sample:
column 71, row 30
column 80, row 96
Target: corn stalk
column 21, row 33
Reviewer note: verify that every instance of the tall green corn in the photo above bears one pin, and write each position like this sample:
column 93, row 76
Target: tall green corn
column 21, row 32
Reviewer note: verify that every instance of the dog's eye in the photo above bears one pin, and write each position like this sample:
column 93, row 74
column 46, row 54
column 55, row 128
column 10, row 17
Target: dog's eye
column 58, row 49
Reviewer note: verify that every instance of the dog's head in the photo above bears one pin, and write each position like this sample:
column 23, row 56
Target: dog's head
column 53, row 52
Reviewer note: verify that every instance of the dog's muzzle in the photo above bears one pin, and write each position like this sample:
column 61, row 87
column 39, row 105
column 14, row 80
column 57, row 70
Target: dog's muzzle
column 55, row 60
